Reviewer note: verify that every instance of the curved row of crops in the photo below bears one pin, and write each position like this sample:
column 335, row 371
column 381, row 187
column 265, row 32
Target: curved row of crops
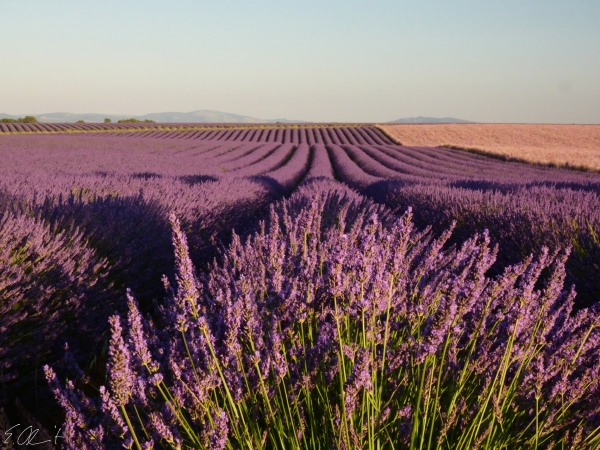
column 84, row 217
column 296, row 135
column 292, row 134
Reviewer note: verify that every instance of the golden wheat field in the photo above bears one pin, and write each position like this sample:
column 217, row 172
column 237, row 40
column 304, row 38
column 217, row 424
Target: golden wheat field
column 560, row 145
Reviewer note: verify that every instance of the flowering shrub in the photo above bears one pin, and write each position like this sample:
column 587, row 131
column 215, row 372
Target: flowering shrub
column 46, row 277
column 336, row 327
column 56, row 226
column 525, row 207
column 521, row 219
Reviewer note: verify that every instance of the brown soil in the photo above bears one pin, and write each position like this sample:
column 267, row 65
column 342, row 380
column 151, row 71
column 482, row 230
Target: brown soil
column 559, row 145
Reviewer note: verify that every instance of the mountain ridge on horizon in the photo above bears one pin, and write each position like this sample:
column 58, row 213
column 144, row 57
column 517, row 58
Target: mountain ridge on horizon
column 199, row 116
column 421, row 119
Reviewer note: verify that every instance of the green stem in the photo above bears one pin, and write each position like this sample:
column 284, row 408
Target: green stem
column 135, row 438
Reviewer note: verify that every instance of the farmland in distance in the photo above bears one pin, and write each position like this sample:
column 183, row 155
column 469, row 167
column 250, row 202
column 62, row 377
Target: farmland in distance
column 575, row 146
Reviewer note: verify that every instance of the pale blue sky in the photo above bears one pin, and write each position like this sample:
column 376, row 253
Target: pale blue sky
column 489, row 61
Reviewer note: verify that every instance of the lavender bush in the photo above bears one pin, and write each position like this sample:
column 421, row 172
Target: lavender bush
column 336, row 327
column 48, row 278
column 57, row 225
column 524, row 207
column 520, row 218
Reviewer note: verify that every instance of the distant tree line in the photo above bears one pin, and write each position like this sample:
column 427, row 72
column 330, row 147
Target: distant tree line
column 132, row 120
column 26, row 119
column 31, row 119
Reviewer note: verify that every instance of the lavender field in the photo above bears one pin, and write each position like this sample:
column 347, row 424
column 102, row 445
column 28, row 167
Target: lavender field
column 293, row 287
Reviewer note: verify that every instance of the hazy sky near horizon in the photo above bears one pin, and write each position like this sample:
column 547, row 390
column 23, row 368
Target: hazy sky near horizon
column 360, row 61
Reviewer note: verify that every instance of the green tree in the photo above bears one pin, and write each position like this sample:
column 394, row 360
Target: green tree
column 107, row 120
column 133, row 120
column 26, row 119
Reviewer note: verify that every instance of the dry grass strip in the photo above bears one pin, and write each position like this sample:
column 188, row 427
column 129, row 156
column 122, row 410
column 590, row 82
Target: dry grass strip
column 573, row 146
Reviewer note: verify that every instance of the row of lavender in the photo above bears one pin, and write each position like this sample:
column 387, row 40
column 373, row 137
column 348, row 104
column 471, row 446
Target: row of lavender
column 338, row 325
column 356, row 135
column 521, row 204
column 66, row 127
column 83, row 219
column 525, row 207
column 142, row 158
column 303, row 135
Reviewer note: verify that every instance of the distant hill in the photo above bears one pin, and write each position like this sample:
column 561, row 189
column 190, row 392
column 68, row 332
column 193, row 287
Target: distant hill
column 201, row 116
column 421, row 119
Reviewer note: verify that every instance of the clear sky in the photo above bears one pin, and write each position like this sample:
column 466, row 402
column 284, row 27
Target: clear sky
column 327, row 60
